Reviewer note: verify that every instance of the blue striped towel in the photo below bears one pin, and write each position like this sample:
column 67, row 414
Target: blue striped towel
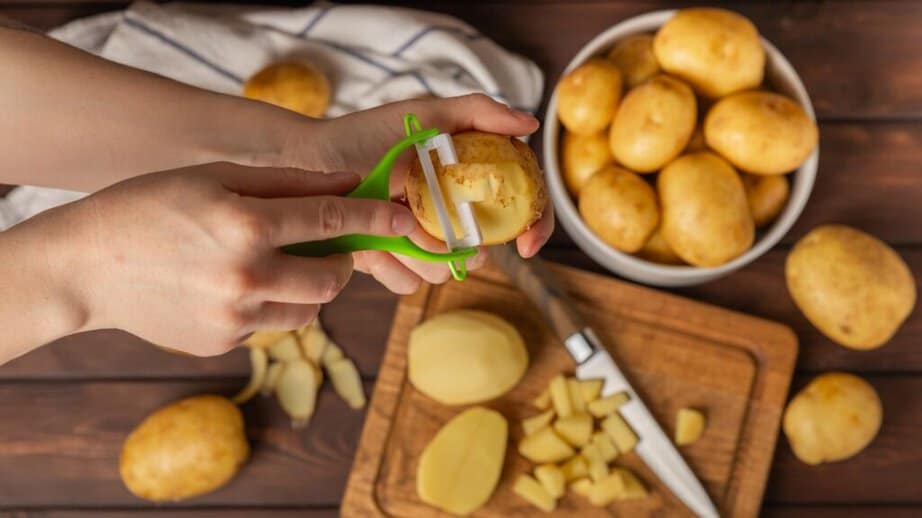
column 372, row 55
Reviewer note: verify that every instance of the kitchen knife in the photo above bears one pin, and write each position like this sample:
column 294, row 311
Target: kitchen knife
column 593, row 362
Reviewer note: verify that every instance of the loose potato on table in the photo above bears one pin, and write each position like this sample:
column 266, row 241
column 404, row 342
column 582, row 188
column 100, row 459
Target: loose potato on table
column 185, row 449
column 634, row 57
column 653, row 124
column 581, row 156
column 717, row 51
column 853, row 287
column 298, row 87
column 499, row 175
column 620, row 207
column 767, row 196
column 705, row 217
column 834, row 417
column 588, row 96
column 761, row 132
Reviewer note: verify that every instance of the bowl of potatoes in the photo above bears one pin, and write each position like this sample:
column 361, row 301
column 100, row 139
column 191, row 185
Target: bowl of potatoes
column 679, row 145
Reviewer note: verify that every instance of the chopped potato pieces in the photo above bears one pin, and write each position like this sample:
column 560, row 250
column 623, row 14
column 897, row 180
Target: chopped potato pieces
column 552, row 478
column 576, row 396
column 544, row 445
column 574, row 468
column 633, row 488
column 590, row 389
column 560, row 396
column 689, row 426
column 529, row 489
column 575, row 429
column 605, row 445
column 598, row 468
column 542, row 401
column 621, row 434
column 607, row 405
column 581, row 486
column 534, row 423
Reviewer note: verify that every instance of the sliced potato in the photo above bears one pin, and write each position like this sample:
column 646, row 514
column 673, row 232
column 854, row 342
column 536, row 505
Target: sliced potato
column 605, row 445
column 581, row 486
column 595, row 461
column 633, row 487
column 590, row 390
column 607, row 489
column 575, row 428
column 534, row 423
column 620, row 432
column 560, row 396
column 574, row 468
column 552, row 478
column 576, row 396
column 297, row 391
column 286, row 349
column 607, row 405
column 259, row 361
column 347, row 382
column 689, row 426
column 542, row 401
column 533, row 492
column 543, row 446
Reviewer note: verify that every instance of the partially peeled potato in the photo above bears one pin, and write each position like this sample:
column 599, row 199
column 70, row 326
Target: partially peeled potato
column 498, row 174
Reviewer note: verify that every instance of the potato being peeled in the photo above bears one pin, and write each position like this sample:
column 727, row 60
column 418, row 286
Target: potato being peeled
column 298, row 87
column 185, row 449
column 499, row 175
column 581, row 156
column 653, row 124
column 834, row 417
column 767, row 196
column 588, row 96
column 620, row 207
column 761, row 132
column 465, row 356
column 706, row 218
column 717, row 51
column 852, row 286
column 634, row 57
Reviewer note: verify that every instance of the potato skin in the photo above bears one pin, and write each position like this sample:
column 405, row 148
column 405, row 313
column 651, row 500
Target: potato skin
column 653, row 124
column 717, row 51
column 634, row 57
column 581, row 156
column 761, row 132
column 767, row 196
column 705, row 215
column 853, row 287
column 833, row 418
column 298, row 87
column 588, row 96
column 657, row 250
column 620, row 207
column 184, row 449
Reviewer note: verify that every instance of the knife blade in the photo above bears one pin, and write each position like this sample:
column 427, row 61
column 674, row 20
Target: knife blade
column 594, row 362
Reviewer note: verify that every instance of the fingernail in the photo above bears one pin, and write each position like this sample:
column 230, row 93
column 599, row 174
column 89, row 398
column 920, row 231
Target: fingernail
column 403, row 223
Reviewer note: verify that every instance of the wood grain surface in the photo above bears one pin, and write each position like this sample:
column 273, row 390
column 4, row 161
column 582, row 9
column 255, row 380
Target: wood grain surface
column 66, row 407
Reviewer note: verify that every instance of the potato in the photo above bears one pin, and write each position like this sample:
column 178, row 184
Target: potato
column 299, row 87
column 296, row 390
column 705, row 217
column 574, row 468
column 544, row 446
column 534, row 493
column 590, row 389
column 560, row 396
column 656, row 249
column 606, row 490
column 347, row 382
column 460, row 467
column 552, row 478
column 717, row 51
column 588, row 96
column 634, row 57
column 761, row 132
column 287, row 349
column 499, row 175
column 620, row 432
column 581, row 486
column 605, row 445
column 537, row 422
column 542, row 401
column 620, row 207
column 576, row 429
column 697, row 141
column 465, row 356
column 595, row 461
column 265, row 339
column 184, row 449
column 608, row 404
column 689, row 425
column 653, row 124
column 853, row 287
column 576, row 396
column 313, row 341
column 834, row 417
column 766, row 195
column 581, row 156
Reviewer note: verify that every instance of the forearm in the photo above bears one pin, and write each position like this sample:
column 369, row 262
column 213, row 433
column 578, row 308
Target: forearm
column 71, row 120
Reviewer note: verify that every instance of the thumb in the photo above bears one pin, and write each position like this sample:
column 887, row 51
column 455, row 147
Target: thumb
column 283, row 182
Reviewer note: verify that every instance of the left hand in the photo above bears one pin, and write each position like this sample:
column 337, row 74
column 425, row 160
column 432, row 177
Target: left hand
column 356, row 142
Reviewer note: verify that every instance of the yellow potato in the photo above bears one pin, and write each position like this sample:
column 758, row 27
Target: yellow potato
column 761, row 132
column 620, row 432
column 299, row 87
column 543, row 446
column 620, row 207
column 634, row 57
column 706, row 218
column 588, row 96
column 697, row 142
column 653, row 124
column 834, row 417
column 608, row 404
column 767, row 196
column 460, row 467
column 656, row 249
column 465, row 356
column 853, row 287
column 552, row 478
column 534, row 493
column 689, row 426
column 498, row 174
column 184, row 449
column 537, row 422
column 575, row 429
column 717, row 51
column 581, row 156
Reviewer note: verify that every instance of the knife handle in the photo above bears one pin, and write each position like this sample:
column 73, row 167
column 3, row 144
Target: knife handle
column 541, row 287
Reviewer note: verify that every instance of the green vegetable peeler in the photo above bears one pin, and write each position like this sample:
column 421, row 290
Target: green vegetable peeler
column 377, row 186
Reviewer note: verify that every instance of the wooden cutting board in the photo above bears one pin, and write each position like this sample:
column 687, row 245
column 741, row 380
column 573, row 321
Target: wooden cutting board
column 677, row 353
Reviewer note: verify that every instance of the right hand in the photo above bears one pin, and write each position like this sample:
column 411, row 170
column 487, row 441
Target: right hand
column 189, row 258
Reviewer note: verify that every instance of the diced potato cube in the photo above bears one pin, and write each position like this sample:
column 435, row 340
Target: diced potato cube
column 689, row 426
column 576, row 396
column 590, row 389
column 581, row 486
column 543, row 401
column 560, row 396
column 544, row 445
column 605, row 445
column 575, row 467
column 607, row 405
column 606, row 490
column 529, row 489
column 530, row 425
column 621, row 434
column 597, row 467
column 552, row 478
column 633, row 487
column 575, row 429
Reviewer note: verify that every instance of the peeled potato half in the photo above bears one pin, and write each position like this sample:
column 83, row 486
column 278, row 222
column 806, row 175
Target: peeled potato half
column 498, row 175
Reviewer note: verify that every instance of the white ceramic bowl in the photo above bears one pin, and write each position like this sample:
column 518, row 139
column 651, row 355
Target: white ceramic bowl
column 780, row 75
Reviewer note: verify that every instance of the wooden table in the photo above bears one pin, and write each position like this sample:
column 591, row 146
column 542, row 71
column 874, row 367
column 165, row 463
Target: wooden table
column 65, row 409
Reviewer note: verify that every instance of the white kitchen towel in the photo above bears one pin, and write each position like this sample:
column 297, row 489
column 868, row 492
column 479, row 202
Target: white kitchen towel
column 372, row 55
